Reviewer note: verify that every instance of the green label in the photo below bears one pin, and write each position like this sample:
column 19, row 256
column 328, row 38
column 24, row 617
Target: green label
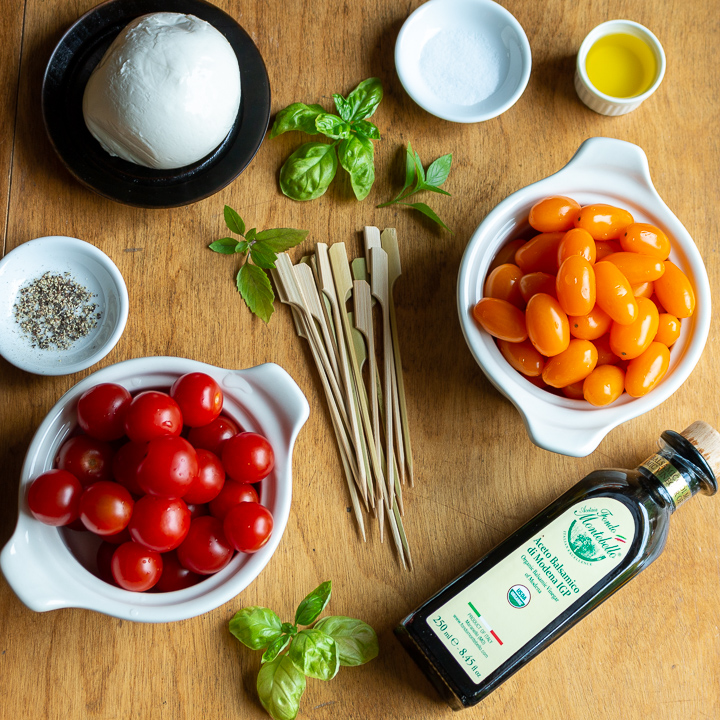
column 490, row 620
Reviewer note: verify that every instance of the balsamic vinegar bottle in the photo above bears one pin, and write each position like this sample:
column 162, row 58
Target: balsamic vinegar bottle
column 524, row 594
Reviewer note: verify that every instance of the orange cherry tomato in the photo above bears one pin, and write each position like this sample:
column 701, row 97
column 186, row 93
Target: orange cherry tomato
column 645, row 239
column 501, row 319
column 637, row 268
column 504, row 283
column 658, row 304
column 506, row 254
column 629, row 341
column 668, row 329
column 590, row 326
column 523, row 357
column 675, row 291
column 575, row 286
column 577, row 242
column 614, row 294
column 605, row 354
column 553, row 214
column 645, row 289
column 574, row 391
column 603, row 248
column 538, row 382
column 605, row 384
column 575, row 363
column 547, row 325
column 603, row 222
column 647, row 370
column 539, row 254
column 537, row 282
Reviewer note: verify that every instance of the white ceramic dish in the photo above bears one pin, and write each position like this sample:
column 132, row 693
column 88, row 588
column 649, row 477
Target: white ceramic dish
column 50, row 568
column 91, row 268
column 470, row 23
column 606, row 171
column 599, row 101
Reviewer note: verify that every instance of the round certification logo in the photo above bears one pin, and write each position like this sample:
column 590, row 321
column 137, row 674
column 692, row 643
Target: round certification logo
column 518, row 596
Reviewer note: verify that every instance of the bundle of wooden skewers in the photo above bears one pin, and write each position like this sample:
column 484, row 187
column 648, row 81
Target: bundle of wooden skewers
column 368, row 410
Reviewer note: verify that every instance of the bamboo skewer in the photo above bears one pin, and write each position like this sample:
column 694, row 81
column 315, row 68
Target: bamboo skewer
column 390, row 245
column 346, row 455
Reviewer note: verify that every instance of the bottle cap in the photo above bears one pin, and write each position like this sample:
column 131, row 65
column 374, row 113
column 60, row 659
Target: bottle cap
column 706, row 440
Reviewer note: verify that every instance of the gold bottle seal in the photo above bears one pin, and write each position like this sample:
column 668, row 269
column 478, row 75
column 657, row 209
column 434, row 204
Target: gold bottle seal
column 671, row 479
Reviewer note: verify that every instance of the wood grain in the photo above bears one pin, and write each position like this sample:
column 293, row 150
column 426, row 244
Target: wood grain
column 650, row 651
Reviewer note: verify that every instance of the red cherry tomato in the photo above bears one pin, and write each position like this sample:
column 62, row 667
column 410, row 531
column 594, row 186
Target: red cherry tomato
column 212, row 436
column 540, row 254
column 54, row 497
column 547, row 325
column 88, row 459
column 199, row 510
column 209, row 480
column 675, row 291
column 498, row 318
column 159, row 523
column 199, row 397
column 503, row 283
column 604, row 385
column 629, row 341
column 136, row 568
column 118, row 538
column 523, row 357
column 572, row 365
column 614, row 294
column 125, row 465
column 645, row 239
column 152, row 414
column 537, row 282
column 553, row 214
column 174, row 576
column 603, row 222
column 647, row 370
column 575, row 286
column 590, row 326
column 248, row 457
column 101, row 411
column 205, row 550
column 232, row 494
column 169, row 467
column 105, row 508
column 248, row 526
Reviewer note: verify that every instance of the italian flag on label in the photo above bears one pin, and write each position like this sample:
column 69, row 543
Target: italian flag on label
column 485, row 623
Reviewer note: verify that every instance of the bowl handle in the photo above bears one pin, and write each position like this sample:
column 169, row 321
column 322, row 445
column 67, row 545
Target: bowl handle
column 576, row 441
column 611, row 156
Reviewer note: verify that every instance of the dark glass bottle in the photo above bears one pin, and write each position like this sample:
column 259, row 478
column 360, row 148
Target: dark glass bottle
column 524, row 594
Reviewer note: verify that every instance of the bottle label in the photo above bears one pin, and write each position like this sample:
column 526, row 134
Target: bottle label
column 490, row 620
column 671, row 478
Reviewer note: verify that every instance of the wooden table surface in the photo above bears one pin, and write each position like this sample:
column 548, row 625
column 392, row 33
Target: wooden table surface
column 652, row 650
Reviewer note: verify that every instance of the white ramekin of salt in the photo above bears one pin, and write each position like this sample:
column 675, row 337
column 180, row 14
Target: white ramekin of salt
column 463, row 60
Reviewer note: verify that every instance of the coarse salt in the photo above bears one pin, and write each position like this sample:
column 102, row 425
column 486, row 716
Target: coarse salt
column 461, row 68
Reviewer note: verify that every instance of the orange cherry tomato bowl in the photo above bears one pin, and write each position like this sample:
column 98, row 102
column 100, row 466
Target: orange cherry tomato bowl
column 603, row 172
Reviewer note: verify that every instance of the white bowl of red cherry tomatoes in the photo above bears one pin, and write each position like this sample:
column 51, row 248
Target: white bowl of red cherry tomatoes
column 584, row 299
column 156, row 489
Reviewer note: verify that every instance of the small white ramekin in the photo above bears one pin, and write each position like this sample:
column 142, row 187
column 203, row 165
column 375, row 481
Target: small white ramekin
column 606, row 104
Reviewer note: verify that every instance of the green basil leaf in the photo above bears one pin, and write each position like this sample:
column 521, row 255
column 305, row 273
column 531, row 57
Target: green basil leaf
column 315, row 654
column 308, row 172
column 366, row 129
column 357, row 156
column 275, row 648
column 282, row 239
column 364, row 99
column 280, row 686
column 419, row 169
column 432, row 188
column 313, row 604
column 234, row 221
column 289, row 629
column 439, row 170
column 262, row 255
column 297, row 116
column 409, row 168
column 254, row 286
column 225, row 246
column 356, row 641
column 343, row 107
column 242, row 247
column 332, row 126
column 429, row 212
column 256, row 627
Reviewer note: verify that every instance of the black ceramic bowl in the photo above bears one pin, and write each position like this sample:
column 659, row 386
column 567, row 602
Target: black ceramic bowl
column 67, row 73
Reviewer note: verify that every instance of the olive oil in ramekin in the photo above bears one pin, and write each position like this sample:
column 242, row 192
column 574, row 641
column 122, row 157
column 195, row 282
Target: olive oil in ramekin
column 621, row 65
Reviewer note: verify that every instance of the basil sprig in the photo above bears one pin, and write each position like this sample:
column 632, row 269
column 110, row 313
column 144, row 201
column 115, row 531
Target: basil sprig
column 308, row 172
column 291, row 655
column 417, row 179
column 261, row 248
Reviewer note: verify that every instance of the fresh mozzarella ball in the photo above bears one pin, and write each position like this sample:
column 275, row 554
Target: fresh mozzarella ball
column 166, row 93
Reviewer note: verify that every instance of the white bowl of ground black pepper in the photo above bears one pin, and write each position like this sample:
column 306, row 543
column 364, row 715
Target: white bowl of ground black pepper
column 465, row 61
column 63, row 306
